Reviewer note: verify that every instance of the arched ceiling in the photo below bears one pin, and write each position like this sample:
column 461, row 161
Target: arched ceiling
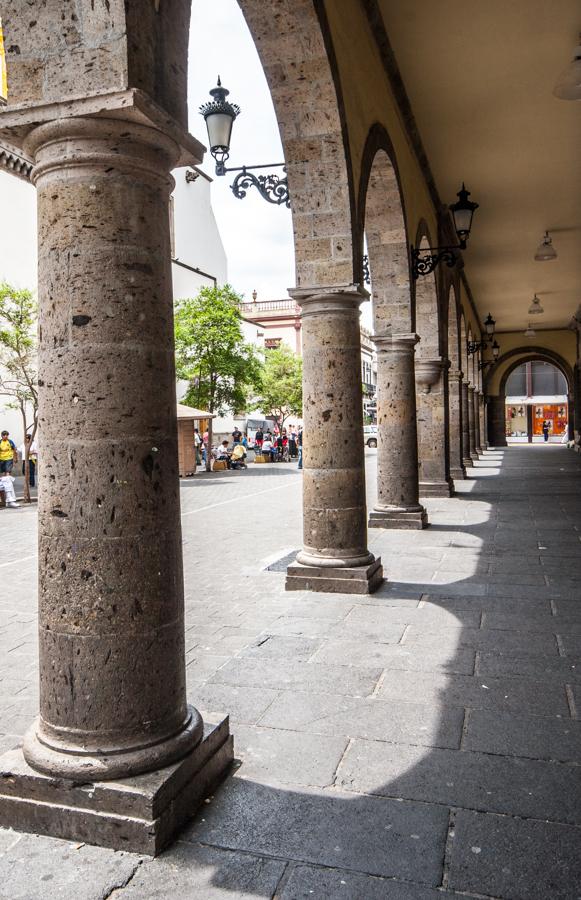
column 479, row 77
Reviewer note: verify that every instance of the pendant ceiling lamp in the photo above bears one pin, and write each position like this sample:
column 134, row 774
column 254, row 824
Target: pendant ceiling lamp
column 530, row 332
column 545, row 250
column 535, row 309
column 568, row 86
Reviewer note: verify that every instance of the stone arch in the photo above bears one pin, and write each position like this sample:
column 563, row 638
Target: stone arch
column 381, row 217
column 506, row 364
column 291, row 38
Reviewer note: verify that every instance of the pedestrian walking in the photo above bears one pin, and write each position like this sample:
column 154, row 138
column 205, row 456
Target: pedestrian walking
column 546, row 430
column 300, row 443
column 32, row 458
column 292, row 444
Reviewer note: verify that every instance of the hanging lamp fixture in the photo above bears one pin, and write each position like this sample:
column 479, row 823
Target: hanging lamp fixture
column 425, row 259
column 545, row 251
column 535, row 309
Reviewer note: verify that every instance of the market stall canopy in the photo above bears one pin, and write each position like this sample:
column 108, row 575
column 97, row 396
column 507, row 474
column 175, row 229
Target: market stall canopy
column 189, row 412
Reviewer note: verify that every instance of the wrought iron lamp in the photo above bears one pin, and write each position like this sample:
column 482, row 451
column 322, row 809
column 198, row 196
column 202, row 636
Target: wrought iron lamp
column 495, row 355
column 425, row 260
column 474, row 346
column 220, row 115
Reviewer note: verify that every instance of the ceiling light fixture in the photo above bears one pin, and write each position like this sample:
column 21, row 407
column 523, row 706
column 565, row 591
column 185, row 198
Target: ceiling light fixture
column 530, row 332
column 568, row 86
column 545, row 250
column 535, row 309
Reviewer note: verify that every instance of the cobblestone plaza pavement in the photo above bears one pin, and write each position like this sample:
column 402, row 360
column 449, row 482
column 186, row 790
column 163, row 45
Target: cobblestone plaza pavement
column 418, row 743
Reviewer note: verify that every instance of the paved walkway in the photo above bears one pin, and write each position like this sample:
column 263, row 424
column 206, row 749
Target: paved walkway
column 417, row 744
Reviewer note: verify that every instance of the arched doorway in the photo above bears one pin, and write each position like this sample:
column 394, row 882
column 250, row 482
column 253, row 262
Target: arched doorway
column 536, row 403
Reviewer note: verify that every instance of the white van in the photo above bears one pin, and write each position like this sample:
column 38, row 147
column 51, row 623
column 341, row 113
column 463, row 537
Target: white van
column 370, row 435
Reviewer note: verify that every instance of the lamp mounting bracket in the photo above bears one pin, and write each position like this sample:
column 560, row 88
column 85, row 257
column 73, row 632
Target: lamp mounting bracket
column 426, row 259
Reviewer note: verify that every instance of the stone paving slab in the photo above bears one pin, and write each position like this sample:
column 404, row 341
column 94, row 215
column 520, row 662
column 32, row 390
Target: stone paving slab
column 478, row 781
column 516, row 858
column 366, row 834
column 308, row 882
column 535, row 737
column 540, row 668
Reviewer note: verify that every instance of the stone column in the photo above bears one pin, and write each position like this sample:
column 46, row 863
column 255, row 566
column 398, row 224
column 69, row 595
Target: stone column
column 466, row 458
column 434, row 479
column 457, row 468
column 496, row 414
column 478, row 446
column 111, row 606
column 398, row 503
column 335, row 555
column 471, row 424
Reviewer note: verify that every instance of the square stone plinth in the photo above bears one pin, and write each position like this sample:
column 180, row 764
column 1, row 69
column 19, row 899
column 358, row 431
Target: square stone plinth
column 398, row 518
column 140, row 814
column 435, row 489
column 355, row 580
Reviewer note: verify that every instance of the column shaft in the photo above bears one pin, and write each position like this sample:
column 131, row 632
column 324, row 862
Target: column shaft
column 477, row 396
column 434, row 477
column 457, row 469
column 471, row 424
column 335, row 554
column 466, row 458
column 398, row 503
column 112, row 671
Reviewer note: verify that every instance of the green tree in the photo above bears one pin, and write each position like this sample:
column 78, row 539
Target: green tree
column 18, row 359
column 281, row 391
column 222, row 370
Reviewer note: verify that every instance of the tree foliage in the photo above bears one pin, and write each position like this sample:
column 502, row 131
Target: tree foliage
column 211, row 354
column 281, row 391
column 18, row 357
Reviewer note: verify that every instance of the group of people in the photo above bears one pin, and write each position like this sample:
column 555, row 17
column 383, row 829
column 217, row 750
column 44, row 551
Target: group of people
column 9, row 455
column 235, row 456
column 282, row 447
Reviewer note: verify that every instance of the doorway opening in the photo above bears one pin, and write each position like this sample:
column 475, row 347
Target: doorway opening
column 536, row 405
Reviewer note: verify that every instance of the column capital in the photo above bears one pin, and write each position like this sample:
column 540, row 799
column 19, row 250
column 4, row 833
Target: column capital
column 471, row 388
column 127, row 107
column 395, row 342
column 321, row 299
column 456, row 374
column 429, row 371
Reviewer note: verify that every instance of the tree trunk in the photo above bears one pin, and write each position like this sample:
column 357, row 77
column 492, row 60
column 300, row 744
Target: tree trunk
column 26, row 458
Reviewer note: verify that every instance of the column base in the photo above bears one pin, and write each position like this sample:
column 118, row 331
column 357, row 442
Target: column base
column 458, row 474
column 474, row 456
column 335, row 579
column 140, row 814
column 398, row 518
column 467, row 462
column 435, row 489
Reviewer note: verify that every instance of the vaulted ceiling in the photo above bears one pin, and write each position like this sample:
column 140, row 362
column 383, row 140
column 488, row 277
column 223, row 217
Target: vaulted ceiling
column 479, row 76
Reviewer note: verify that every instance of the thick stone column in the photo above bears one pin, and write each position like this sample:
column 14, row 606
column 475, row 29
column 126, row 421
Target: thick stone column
column 471, row 423
column 483, row 429
column 111, row 607
column 496, row 414
column 478, row 446
column 434, row 477
column 466, row 458
column 335, row 555
column 398, row 503
column 457, row 468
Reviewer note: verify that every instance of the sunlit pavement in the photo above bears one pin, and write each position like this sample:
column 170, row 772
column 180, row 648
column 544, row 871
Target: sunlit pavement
column 419, row 743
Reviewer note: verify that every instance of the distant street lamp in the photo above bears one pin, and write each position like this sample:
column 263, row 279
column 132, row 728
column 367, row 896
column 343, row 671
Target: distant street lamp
column 220, row 115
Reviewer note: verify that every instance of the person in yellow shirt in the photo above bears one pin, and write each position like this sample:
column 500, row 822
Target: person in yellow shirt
column 7, row 454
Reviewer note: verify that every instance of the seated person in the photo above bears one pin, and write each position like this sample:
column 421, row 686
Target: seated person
column 268, row 449
column 222, row 452
column 7, row 488
column 238, row 456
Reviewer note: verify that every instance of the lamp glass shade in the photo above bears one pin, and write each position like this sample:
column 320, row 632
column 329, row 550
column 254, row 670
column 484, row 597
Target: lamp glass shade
column 568, row 86
column 530, row 332
column 219, row 125
column 545, row 250
column 489, row 324
column 535, row 309
column 495, row 350
column 462, row 213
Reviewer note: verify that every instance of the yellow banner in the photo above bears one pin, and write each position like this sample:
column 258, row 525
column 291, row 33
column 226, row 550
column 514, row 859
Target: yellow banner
column 3, row 77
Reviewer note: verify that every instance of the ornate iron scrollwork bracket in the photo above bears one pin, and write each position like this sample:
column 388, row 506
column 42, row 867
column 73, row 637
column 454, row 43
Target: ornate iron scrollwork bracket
column 365, row 269
column 272, row 188
column 424, row 262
